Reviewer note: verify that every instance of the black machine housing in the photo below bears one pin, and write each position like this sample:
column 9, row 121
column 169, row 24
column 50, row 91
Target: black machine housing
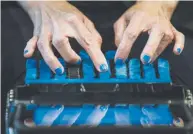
column 179, row 98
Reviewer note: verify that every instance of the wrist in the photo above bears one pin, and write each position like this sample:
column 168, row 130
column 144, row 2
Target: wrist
column 168, row 7
column 29, row 5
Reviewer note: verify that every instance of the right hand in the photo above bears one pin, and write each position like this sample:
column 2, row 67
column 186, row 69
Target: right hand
column 54, row 23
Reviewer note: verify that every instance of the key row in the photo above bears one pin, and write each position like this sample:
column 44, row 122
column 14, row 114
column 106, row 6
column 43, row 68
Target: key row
column 130, row 71
column 120, row 114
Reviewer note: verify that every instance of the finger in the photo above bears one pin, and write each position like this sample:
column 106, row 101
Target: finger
column 44, row 46
column 152, row 44
column 179, row 42
column 119, row 28
column 96, row 55
column 166, row 40
column 30, row 47
column 90, row 26
column 29, row 122
column 32, row 43
column 91, row 45
column 63, row 47
column 162, row 46
column 130, row 35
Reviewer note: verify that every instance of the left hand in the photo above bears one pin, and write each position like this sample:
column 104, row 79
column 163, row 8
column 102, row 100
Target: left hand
column 151, row 17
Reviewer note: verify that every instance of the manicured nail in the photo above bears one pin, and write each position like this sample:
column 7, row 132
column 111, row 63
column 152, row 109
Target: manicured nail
column 29, row 122
column 179, row 50
column 26, row 51
column 178, row 122
column 59, row 71
column 103, row 108
column 119, row 61
column 78, row 62
column 145, row 121
column 103, row 68
column 146, row 59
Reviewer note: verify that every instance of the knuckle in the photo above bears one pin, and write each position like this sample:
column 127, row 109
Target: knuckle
column 40, row 45
column 88, row 39
column 49, row 60
column 159, row 30
column 91, row 24
column 117, row 41
column 181, row 34
column 72, row 18
column 99, row 39
column 169, row 35
column 49, row 36
column 29, row 42
column 57, row 41
column 123, row 47
column 131, row 34
column 121, row 50
column 88, row 48
column 161, row 33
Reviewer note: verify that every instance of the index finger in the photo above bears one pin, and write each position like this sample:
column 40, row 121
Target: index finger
column 129, row 37
column 91, row 45
column 152, row 44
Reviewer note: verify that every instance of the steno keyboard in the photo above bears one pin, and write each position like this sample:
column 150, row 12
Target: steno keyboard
column 132, row 71
column 129, row 98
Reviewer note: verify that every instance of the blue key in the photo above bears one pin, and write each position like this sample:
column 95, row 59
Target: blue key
column 89, row 75
column 122, row 115
column 159, row 115
column 31, row 70
column 109, row 118
column 163, row 69
column 45, row 72
column 135, row 114
column 121, row 70
column 110, row 55
column 46, row 115
column 88, row 69
column 85, row 112
column 68, row 116
column 149, row 72
column 134, row 69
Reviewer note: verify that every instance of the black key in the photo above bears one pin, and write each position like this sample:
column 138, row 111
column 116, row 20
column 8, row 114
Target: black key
column 73, row 71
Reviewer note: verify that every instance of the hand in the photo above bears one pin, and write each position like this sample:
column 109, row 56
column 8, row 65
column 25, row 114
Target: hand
column 151, row 17
column 54, row 23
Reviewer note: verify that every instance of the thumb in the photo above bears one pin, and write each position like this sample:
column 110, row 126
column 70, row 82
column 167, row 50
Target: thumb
column 30, row 47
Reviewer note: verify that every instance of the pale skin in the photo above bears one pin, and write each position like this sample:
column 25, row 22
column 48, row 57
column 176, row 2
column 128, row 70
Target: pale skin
column 54, row 22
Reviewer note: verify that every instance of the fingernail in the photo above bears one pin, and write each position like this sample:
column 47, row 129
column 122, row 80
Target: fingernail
column 179, row 50
column 145, row 121
column 103, row 108
column 146, row 59
column 178, row 122
column 119, row 61
column 59, row 71
column 78, row 62
column 103, row 68
column 26, row 51
column 29, row 122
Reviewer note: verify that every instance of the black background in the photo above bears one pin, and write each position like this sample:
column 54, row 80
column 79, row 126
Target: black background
column 17, row 30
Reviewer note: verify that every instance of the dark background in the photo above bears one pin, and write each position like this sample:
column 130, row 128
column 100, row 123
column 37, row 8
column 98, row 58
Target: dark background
column 17, row 30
